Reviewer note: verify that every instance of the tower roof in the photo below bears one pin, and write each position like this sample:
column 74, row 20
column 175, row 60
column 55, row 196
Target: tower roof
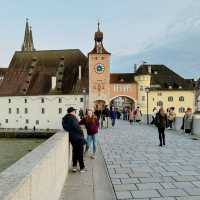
column 98, row 37
column 98, row 48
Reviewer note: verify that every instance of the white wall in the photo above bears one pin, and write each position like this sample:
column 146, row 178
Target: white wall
column 50, row 119
column 40, row 175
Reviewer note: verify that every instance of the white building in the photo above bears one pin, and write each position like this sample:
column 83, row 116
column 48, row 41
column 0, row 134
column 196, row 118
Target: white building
column 41, row 112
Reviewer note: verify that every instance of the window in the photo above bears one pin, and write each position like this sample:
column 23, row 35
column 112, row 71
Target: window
column 160, row 103
column 27, row 121
column 81, row 99
column 37, row 122
column 170, row 98
column 141, row 88
column 60, row 100
column 117, row 88
column 181, row 110
column 25, row 100
column 26, row 110
column 9, row 110
column 6, row 120
column 17, row 110
column 181, row 98
column 159, row 93
column 126, row 88
column 60, row 110
column 143, row 98
column 43, row 110
column 9, row 100
column 42, row 100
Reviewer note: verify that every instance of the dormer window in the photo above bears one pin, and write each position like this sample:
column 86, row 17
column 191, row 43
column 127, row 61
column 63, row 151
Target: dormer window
column 121, row 80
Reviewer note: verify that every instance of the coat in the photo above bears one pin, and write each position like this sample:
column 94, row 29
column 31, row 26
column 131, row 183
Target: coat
column 131, row 115
column 113, row 114
column 138, row 115
column 188, row 121
column 91, row 127
column 161, row 120
column 70, row 123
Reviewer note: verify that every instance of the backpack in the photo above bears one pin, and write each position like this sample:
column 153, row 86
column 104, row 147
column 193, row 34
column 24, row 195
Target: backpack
column 157, row 120
column 65, row 125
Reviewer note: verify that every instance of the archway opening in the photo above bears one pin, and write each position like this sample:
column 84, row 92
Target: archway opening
column 122, row 102
column 99, row 104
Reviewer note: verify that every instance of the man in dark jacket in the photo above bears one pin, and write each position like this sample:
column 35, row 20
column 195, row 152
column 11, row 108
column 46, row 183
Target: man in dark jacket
column 161, row 123
column 76, row 137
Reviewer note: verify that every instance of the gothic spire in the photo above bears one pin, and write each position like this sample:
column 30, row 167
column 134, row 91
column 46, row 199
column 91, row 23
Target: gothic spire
column 28, row 39
column 31, row 39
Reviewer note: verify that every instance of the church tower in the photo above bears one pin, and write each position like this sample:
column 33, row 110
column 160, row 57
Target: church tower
column 28, row 39
column 99, row 73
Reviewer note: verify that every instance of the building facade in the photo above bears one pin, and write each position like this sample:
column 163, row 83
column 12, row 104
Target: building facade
column 38, row 86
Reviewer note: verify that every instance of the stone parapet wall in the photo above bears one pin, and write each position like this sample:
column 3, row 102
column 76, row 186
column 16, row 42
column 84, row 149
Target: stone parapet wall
column 39, row 175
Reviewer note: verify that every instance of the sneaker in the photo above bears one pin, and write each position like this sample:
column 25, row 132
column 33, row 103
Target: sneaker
column 92, row 156
column 83, row 170
column 74, row 169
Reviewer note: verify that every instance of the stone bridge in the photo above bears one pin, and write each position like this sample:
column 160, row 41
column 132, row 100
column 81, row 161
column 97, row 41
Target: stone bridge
column 129, row 165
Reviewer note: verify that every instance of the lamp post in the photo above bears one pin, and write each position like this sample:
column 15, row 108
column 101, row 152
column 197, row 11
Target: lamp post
column 84, row 99
column 147, row 91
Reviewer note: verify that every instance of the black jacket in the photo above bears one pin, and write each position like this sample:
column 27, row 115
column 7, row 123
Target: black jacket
column 161, row 120
column 71, row 124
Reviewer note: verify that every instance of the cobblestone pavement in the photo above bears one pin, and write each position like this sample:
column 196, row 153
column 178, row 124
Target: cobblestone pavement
column 140, row 169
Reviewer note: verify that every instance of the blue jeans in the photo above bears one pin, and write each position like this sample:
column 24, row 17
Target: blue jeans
column 91, row 139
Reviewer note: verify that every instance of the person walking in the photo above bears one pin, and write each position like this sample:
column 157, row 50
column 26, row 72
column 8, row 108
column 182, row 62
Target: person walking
column 76, row 137
column 113, row 116
column 188, row 119
column 92, row 125
column 106, row 112
column 131, row 116
column 138, row 115
column 161, row 122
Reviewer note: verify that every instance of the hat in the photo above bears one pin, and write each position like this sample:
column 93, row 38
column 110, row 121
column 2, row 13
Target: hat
column 71, row 109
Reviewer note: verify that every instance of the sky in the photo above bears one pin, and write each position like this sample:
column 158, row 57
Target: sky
column 129, row 26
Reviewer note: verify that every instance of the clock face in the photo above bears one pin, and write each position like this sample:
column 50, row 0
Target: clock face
column 99, row 68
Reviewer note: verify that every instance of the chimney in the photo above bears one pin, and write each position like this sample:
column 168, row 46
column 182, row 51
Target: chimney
column 135, row 67
column 149, row 69
column 79, row 73
column 53, row 82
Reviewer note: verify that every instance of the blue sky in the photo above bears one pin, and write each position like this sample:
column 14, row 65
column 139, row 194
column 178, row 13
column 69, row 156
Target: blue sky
column 129, row 26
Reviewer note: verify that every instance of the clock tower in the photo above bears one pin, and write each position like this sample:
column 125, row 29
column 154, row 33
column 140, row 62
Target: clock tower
column 99, row 73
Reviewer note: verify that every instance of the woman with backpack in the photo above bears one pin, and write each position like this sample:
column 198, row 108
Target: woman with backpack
column 91, row 123
column 161, row 123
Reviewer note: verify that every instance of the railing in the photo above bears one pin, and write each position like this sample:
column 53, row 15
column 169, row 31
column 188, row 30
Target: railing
column 39, row 175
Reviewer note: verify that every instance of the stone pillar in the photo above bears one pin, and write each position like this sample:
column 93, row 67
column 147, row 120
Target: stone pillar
column 196, row 124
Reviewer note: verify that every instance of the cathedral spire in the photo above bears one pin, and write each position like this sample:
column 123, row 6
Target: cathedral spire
column 31, row 39
column 28, row 38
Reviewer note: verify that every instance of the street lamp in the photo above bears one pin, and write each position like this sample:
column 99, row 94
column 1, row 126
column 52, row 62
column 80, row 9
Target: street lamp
column 147, row 89
column 84, row 99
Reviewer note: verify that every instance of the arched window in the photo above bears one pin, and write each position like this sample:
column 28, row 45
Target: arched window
column 160, row 103
column 181, row 110
column 170, row 98
column 181, row 98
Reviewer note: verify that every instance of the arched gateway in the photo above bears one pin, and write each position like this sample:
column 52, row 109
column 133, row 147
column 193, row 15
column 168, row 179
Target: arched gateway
column 122, row 102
